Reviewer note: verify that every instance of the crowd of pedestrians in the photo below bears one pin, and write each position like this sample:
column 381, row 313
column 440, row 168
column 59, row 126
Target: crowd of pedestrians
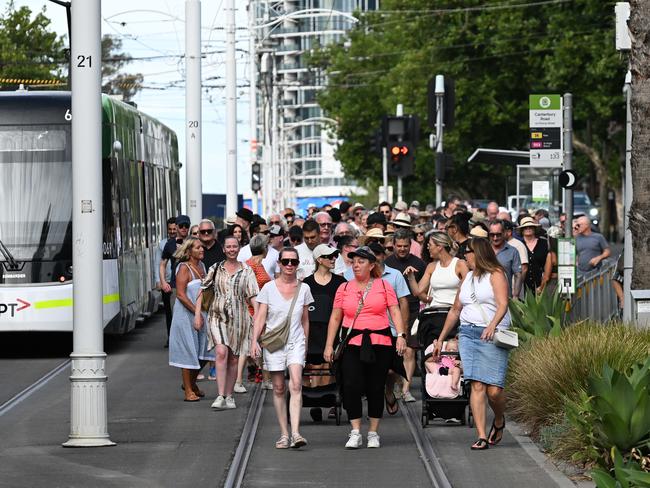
column 348, row 288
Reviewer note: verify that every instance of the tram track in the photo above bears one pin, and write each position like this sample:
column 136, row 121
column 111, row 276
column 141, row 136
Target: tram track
column 237, row 468
column 33, row 388
column 427, row 453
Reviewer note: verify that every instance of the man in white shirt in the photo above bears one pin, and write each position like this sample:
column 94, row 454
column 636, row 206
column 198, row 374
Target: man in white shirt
column 508, row 226
column 311, row 239
column 325, row 226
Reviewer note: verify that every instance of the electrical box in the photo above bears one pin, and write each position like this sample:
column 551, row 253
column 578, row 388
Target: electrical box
column 641, row 307
column 623, row 41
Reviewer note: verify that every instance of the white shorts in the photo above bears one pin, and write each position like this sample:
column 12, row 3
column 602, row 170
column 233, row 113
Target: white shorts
column 291, row 353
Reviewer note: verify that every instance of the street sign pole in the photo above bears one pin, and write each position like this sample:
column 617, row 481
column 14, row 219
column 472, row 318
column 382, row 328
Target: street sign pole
column 568, row 161
column 440, row 101
column 88, row 411
column 384, row 171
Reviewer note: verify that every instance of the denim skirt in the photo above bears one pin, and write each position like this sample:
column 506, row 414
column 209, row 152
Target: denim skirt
column 481, row 361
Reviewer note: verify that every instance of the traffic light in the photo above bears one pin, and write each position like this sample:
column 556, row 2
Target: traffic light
column 400, row 158
column 401, row 135
column 256, row 177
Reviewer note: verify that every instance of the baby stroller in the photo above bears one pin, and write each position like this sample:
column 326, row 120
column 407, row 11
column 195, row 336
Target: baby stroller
column 439, row 399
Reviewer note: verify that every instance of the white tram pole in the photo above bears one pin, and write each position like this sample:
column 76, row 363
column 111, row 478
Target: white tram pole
column 88, row 413
column 231, row 111
column 194, row 122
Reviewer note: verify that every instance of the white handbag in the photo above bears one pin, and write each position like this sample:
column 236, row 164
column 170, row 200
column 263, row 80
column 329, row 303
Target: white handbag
column 503, row 338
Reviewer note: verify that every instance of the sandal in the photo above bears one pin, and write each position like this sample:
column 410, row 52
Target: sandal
column 297, row 441
column 391, row 402
column 480, row 445
column 282, row 442
column 198, row 392
column 494, row 431
column 191, row 398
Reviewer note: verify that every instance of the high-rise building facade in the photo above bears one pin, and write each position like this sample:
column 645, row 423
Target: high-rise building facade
column 296, row 149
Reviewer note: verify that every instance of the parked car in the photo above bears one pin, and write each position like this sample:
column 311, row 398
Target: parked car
column 582, row 205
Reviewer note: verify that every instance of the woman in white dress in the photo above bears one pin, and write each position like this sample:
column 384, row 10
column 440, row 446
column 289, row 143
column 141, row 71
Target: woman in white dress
column 274, row 302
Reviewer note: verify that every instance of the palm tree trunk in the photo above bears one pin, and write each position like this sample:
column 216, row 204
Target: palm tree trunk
column 639, row 25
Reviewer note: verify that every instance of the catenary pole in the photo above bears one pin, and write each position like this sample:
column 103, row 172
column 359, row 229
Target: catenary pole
column 253, row 95
column 88, row 412
column 567, row 103
column 194, row 123
column 231, row 111
column 399, row 112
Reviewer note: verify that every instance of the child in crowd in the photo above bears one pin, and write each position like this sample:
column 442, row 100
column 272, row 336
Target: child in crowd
column 443, row 376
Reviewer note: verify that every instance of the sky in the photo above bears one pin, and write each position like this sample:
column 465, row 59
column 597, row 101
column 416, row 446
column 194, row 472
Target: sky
column 155, row 28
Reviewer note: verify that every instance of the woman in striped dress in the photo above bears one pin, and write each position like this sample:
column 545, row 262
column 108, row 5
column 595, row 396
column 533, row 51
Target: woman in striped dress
column 229, row 321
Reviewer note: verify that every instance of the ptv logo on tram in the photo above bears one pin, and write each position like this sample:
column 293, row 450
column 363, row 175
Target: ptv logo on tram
column 12, row 308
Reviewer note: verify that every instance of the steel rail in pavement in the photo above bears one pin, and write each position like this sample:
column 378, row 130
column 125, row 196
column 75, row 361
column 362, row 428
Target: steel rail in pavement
column 427, row 454
column 33, row 388
column 237, row 468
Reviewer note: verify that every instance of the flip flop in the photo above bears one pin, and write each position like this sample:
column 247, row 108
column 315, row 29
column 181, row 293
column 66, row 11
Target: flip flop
column 391, row 402
column 192, row 399
column 480, row 445
column 494, row 431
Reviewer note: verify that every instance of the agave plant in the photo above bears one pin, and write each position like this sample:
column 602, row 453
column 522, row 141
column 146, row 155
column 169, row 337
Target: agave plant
column 626, row 474
column 622, row 406
column 538, row 315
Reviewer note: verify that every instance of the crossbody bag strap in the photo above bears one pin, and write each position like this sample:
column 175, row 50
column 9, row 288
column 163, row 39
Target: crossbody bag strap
column 478, row 304
column 293, row 303
column 359, row 307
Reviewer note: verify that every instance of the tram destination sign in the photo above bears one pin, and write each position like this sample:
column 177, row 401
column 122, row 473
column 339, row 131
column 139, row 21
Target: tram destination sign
column 546, row 147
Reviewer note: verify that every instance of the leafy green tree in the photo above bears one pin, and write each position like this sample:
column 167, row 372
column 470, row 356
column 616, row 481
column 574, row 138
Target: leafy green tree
column 498, row 55
column 114, row 81
column 28, row 48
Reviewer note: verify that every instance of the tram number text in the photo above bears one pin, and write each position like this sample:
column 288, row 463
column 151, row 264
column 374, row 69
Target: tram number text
column 193, row 124
column 84, row 61
column 68, row 115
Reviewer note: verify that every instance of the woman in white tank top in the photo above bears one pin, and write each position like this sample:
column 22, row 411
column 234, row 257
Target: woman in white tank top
column 443, row 275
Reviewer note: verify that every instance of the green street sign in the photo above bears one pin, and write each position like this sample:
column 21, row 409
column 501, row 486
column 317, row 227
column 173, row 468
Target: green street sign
column 545, row 102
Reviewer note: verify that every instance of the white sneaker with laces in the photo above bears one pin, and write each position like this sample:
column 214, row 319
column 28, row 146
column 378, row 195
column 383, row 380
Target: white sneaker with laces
column 239, row 388
column 373, row 440
column 230, row 402
column 408, row 397
column 219, row 403
column 355, row 441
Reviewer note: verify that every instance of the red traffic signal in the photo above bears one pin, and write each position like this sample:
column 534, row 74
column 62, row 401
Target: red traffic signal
column 398, row 151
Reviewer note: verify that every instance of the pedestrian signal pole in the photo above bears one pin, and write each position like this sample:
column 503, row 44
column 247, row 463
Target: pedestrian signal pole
column 440, row 100
column 88, row 412
column 568, row 161
column 399, row 111
column 231, row 111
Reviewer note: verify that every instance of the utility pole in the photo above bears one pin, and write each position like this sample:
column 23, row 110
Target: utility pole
column 275, row 135
column 231, row 111
column 253, row 95
column 88, row 410
column 399, row 111
column 384, row 170
column 193, row 122
column 567, row 103
column 440, row 101
column 628, row 262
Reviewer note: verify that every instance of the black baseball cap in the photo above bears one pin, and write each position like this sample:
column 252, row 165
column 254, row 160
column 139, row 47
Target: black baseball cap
column 363, row 252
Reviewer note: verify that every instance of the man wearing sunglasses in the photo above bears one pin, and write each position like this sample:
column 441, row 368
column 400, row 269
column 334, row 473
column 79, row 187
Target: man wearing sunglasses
column 183, row 225
column 507, row 256
column 325, row 226
column 213, row 252
column 311, row 239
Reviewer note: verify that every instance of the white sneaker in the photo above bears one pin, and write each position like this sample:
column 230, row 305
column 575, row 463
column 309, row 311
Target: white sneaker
column 230, row 402
column 267, row 385
column 355, row 441
column 239, row 388
column 407, row 397
column 373, row 440
column 219, row 403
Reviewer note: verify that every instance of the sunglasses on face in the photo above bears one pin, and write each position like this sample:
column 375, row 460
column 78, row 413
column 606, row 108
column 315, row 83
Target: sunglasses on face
column 183, row 226
column 206, row 232
column 495, row 234
column 417, row 234
column 389, row 248
column 275, row 222
column 288, row 216
column 287, row 262
column 330, row 256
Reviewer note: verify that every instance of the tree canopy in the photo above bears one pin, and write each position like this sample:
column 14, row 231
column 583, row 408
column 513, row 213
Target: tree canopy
column 497, row 54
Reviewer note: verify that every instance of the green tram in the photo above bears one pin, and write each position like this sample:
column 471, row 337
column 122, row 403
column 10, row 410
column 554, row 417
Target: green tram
column 140, row 175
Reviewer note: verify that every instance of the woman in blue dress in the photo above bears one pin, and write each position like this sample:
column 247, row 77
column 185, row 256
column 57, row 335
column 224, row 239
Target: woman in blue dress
column 188, row 346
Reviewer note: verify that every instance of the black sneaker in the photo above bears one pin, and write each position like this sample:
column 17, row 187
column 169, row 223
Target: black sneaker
column 316, row 414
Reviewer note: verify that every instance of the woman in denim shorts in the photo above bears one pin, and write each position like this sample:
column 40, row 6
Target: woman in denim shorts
column 482, row 306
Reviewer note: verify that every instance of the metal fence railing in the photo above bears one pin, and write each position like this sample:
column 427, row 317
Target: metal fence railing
column 594, row 298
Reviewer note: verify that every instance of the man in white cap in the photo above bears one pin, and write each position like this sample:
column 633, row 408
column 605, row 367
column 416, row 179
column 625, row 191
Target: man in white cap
column 358, row 211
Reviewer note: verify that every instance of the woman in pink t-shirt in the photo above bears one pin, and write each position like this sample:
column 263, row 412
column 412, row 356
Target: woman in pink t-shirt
column 362, row 305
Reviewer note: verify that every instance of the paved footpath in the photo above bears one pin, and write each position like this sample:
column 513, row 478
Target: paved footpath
column 165, row 442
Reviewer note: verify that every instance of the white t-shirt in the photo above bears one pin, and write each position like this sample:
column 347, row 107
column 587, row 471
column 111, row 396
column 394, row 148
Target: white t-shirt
column 307, row 262
column 278, row 309
column 269, row 262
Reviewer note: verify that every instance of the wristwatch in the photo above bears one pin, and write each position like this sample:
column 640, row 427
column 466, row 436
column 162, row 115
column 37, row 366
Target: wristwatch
column 402, row 335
